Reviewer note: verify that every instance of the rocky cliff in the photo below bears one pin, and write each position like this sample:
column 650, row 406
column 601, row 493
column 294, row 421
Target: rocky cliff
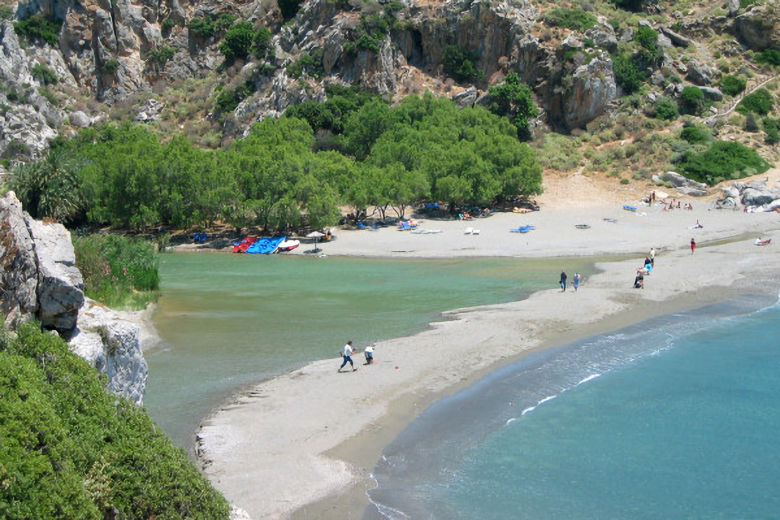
column 39, row 280
column 120, row 58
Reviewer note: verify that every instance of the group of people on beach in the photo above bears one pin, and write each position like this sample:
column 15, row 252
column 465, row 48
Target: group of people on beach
column 346, row 355
column 647, row 267
column 575, row 281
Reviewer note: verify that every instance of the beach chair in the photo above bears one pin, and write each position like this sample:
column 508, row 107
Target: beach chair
column 405, row 226
column 360, row 225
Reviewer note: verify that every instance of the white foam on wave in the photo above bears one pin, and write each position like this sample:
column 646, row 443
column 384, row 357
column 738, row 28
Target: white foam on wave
column 528, row 410
column 548, row 398
column 589, row 378
column 510, row 421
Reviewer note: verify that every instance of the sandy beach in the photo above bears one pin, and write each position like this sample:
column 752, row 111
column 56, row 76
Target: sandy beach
column 303, row 445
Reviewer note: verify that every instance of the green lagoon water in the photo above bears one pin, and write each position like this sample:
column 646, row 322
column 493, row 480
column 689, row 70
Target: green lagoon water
column 228, row 321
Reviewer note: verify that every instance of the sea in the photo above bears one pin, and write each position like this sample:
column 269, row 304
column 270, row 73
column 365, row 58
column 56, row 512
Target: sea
column 675, row 417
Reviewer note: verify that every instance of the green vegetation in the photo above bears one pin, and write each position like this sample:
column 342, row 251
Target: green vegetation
column 210, row 25
column 110, row 67
column 461, row 64
column 310, row 63
column 49, row 95
column 627, row 75
column 559, row 152
column 695, row 135
column 650, row 54
column 425, row 148
column 692, row 100
column 769, row 56
column 571, row 18
column 772, row 129
column 331, row 114
column 72, row 450
column 238, row 41
column 666, row 109
column 630, row 5
column 44, row 74
column 157, row 58
column 759, row 102
column 723, row 160
column 513, row 99
column 733, row 85
column 118, row 271
column 39, row 27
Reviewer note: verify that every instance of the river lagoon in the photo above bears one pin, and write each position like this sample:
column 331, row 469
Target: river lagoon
column 228, row 321
column 676, row 417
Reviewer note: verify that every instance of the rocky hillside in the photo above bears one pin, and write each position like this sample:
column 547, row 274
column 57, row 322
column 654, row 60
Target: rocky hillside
column 211, row 69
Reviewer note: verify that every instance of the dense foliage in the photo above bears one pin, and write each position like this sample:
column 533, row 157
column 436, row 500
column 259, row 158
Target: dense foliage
column 570, row 18
column 666, row 108
column 238, row 41
column 692, row 100
column 39, row 27
column 282, row 176
column 513, row 99
column 769, row 56
column 759, row 102
column 118, row 271
column 461, row 64
column 722, row 160
column 69, row 449
column 732, row 85
column 628, row 76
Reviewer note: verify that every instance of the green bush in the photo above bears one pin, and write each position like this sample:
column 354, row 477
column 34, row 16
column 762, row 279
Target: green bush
column 759, row 102
column 39, row 27
column 49, row 95
column 559, row 152
column 44, row 74
column 228, row 99
column 692, row 100
column 157, row 58
column 666, row 109
column 70, row 449
column 110, row 67
column 238, row 41
column 49, row 188
column 201, row 27
column 733, row 85
column 513, row 99
column 695, row 135
column 723, row 160
column 769, row 56
column 772, row 129
column 627, row 75
column 576, row 19
column 461, row 64
column 116, row 268
column 310, row 63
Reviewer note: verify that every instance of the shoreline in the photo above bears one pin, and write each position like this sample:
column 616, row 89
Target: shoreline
column 315, row 454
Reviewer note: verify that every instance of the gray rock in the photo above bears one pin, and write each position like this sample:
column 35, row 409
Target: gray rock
column 733, row 7
column 759, row 27
column 592, row 89
column 18, row 267
column 677, row 39
column 113, row 346
column 466, row 98
column 699, row 73
column 60, row 285
column 712, row 93
column 684, row 184
column 730, row 192
column 79, row 119
column 754, row 197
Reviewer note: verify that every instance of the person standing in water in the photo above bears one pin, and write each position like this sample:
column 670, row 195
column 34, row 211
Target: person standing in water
column 693, row 245
column 577, row 279
column 347, row 354
column 563, row 281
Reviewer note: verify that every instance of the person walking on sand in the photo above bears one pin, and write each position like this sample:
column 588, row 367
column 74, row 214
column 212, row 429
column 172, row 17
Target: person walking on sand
column 652, row 256
column 347, row 354
column 577, row 279
column 563, row 281
column 693, row 245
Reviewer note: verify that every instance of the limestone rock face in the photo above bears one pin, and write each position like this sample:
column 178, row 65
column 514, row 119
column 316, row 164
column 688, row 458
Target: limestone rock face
column 113, row 346
column 60, row 285
column 592, row 87
column 18, row 266
column 759, row 27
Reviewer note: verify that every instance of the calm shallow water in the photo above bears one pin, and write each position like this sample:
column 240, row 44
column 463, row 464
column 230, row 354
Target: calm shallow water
column 674, row 418
column 231, row 320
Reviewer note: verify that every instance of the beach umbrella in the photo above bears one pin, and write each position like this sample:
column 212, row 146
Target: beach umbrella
column 316, row 235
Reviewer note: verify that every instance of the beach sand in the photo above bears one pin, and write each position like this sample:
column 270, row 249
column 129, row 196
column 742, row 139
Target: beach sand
column 303, row 445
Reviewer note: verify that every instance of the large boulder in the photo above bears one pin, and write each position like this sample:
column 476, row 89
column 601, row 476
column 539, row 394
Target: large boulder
column 113, row 346
column 18, row 265
column 682, row 183
column 60, row 284
column 758, row 27
column 756, row 197
column 590, row 89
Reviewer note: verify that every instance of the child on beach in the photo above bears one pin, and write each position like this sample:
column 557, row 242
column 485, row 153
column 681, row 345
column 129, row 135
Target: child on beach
column 577, row 279
column 563, row 281
column 369, row 353
column 347, row 355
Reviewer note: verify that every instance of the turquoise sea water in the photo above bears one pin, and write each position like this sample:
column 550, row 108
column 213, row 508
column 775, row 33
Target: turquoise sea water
column 228, row 320
column 677, row 417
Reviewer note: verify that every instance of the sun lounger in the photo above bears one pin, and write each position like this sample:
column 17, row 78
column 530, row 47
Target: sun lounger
column 522, row 229
column 406, row 226
column 360, row 225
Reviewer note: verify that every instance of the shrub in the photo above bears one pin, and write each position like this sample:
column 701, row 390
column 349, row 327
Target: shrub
column 769, row 56
column 772, row 129
column 732, row 85
column 167, row 24
column 624, row 181
column 159, row 57
column 513, row 99
column 71, row 449
column 695, row 135
column 559, row 152
column 49, row 188
column 692, row 100
column 44, row 74
column 666, row 109
column 576, row 19
column 627, row 74
column 260, row 45
column 39, row 27
column 49, row 95
column 115, row 267
column 461, row 64
column 202, row 27
column 110, row 67
column 722, row 160
column 759, row 102
column 238, row 41
column 310, row 63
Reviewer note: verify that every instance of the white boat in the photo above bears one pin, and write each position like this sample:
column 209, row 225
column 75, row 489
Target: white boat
column 288, row 245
